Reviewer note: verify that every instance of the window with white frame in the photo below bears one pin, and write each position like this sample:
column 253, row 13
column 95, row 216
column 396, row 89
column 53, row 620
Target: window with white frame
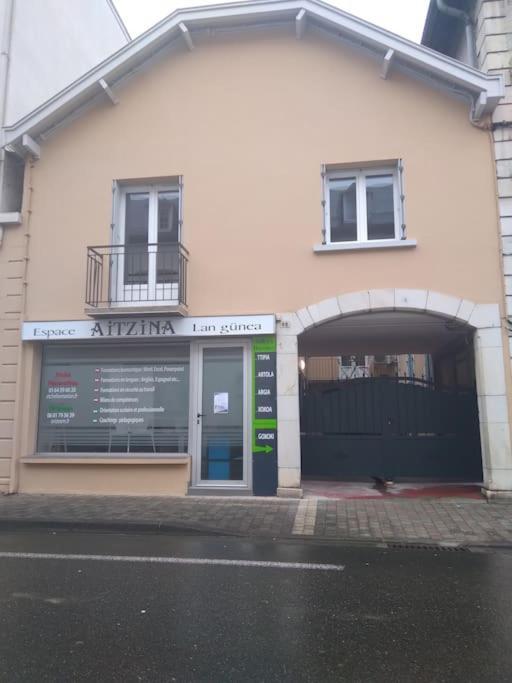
column 362, row 205
column 146, row 242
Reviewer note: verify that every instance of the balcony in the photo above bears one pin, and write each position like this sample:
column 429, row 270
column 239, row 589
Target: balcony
column 149, row 278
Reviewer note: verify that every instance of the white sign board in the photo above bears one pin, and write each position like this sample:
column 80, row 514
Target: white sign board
column 149, row 328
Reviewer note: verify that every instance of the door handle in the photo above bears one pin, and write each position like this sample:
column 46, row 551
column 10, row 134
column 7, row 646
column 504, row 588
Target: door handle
column 200, row 415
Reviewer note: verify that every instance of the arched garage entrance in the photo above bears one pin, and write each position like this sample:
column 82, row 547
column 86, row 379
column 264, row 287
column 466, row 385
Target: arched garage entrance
column 391, row 395
column 476, row 325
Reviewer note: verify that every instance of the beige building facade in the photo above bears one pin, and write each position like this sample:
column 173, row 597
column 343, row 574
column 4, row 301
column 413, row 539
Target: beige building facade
column 251, row 184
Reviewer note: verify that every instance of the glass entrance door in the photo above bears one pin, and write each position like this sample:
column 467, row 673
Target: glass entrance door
column 221, row 451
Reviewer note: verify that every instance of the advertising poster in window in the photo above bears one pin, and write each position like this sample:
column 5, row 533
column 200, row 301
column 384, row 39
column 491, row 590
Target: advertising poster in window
column 103, row 405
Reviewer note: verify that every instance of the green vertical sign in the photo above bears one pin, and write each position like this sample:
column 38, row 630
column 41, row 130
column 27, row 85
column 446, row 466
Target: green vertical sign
column 264, row 416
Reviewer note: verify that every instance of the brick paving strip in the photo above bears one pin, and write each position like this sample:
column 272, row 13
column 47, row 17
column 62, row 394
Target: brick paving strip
column 455, row 521
column 305, row 518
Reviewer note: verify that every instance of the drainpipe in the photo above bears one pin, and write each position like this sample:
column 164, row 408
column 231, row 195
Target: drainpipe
column 470, row 36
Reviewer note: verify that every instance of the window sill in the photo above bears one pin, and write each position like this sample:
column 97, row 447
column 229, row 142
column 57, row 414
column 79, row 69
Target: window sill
column 357, row 246
column 43, row 459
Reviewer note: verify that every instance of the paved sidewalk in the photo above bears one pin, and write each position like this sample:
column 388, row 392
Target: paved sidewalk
column 457, row 521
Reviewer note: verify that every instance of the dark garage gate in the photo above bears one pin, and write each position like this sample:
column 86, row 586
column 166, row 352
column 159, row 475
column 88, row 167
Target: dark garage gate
column 398, row 427
column 391, row 427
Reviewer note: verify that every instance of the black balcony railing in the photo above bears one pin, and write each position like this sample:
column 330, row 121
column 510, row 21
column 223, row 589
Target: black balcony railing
column 131, row 275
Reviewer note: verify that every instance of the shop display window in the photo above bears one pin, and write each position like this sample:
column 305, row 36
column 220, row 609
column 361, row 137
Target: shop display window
column 108, row 400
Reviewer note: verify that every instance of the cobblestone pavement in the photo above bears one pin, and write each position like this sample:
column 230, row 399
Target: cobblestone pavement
column 428, row 521
column 248, row 516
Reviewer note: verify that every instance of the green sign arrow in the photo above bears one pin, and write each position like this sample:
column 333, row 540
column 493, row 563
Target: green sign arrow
column 263, row 449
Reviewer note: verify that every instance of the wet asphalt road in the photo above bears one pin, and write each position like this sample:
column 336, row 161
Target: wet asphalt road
column 386, row 616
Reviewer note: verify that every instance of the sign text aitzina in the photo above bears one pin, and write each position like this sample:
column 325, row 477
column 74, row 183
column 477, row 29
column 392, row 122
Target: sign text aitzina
column 162, row 328
column 136, row 328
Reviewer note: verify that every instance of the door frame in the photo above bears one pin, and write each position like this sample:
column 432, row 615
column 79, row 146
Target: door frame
column 151, row 288
column 196, row 387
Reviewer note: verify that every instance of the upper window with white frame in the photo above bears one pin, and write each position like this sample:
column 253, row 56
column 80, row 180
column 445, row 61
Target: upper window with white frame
column 362, row 205
column 147, row 243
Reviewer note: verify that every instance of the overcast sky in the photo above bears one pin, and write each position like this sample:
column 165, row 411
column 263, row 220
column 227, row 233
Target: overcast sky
column 405, row 17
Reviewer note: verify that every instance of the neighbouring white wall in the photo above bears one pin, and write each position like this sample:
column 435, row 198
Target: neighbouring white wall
column 493, row 21
column 53, row 43
column 493, row 35
column 2, row 15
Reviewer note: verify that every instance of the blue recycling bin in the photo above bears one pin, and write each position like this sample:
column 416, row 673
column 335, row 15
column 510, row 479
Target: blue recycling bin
column 219, row 459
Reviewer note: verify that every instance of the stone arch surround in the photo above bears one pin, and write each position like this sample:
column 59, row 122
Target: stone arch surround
column 489, row 369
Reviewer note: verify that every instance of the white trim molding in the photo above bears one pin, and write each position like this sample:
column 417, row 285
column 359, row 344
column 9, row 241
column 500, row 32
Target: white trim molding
column 300, row 24
column 30, row 146
column 11, row 218
column 6, row 219
column 186, row 36
column 108, row 91
column 356, row 246
column 493, row 401
column 387, row 63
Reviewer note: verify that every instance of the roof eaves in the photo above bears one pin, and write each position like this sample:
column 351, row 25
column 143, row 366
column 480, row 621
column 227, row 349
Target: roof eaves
column 447, row 70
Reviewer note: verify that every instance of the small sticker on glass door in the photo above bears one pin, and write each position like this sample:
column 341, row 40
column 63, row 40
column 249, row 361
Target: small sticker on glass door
column 221, row 403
